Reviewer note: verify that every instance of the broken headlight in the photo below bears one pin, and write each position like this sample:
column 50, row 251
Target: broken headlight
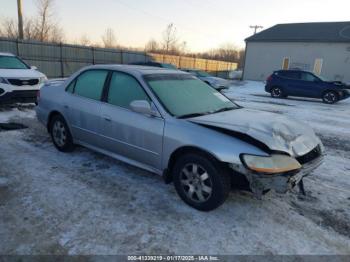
column 272, row 164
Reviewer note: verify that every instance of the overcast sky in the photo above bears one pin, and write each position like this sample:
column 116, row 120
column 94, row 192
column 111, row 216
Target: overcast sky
column 203, row 24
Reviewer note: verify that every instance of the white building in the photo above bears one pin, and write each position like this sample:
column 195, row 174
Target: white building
column 323, row 48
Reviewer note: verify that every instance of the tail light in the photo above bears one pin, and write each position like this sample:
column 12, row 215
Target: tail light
column 269, row 78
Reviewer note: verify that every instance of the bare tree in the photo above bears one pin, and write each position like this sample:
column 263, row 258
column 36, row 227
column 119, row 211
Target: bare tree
column 29, row 29
column 226, row 52
column 84, row 40
column 241, row 58
column 9, row 28
column 42, row 27
column 109, row 39
column 56, row 35
column 152, row 46
column 46, row 27
column 170, row 39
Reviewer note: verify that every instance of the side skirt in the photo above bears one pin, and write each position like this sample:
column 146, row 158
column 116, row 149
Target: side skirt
column 120, row 158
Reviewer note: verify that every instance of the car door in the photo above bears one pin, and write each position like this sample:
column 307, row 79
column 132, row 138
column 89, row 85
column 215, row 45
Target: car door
column 310, row 85
column 290, row 82
column 82, row 106
column 135, row 136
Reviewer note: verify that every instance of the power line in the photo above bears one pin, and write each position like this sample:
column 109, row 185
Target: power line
column 184, row 28
column 256, row 27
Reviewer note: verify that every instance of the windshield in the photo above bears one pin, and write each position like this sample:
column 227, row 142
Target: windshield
column 12, row 62
column 186, row 96
column 323, row 78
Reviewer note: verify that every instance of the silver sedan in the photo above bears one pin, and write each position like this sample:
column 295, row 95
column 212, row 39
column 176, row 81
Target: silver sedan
column 172, row 124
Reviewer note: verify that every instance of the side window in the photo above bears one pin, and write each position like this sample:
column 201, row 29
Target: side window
column 90, row 84
column 70, row 88
column 124, row 89
column 308, row 77
column 292, row 75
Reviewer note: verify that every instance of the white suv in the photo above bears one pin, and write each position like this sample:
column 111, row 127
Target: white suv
column 18, row 81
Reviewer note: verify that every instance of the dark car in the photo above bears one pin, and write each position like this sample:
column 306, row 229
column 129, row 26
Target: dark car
column 156, row 64
column 299, row 83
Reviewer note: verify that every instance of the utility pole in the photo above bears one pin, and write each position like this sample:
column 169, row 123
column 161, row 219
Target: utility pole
column 20, row 19
column 256, row 27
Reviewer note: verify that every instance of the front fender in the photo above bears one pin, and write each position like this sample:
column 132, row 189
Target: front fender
column 182, row 133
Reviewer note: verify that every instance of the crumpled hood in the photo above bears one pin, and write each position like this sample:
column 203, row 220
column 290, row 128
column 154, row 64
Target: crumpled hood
column 276, row 131
column 20, row 73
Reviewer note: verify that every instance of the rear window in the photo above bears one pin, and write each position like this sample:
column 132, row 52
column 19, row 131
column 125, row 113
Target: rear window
column 90, row 84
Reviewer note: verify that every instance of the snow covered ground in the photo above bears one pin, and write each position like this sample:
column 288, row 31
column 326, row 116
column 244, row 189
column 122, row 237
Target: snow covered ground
column 87, row 203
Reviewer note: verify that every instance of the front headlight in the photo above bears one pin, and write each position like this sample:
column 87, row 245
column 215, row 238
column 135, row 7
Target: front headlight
column 42, row 79
column 3, row 81
column 271, row 164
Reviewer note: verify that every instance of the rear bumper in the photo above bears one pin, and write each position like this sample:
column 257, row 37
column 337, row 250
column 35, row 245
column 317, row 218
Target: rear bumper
column 27, row 96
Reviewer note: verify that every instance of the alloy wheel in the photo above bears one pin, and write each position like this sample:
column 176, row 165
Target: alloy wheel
column 276, row 92
column 330, row 97
column 59, row 133
column 196, row 183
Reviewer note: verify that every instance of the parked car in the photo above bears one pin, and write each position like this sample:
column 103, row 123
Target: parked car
column 235, row 74
column 284, row 83
column 216, row 82
column 171, row 123
column 18, row 81
column 156, row 64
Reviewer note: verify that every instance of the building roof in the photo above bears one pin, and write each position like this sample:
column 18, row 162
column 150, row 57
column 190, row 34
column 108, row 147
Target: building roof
column 338, row 32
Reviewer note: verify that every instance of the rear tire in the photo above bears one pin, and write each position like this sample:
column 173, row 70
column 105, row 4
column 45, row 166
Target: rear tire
column 60, row 134
column 201, row 181
column 330, row 97
column 277, row 92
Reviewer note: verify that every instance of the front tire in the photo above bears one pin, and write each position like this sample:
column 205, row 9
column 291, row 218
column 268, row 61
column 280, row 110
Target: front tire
column 277, row 92
column 330, row 97
column 201, row 181
column 60, row 134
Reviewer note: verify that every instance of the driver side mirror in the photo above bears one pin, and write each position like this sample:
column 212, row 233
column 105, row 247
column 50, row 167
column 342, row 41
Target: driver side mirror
column 143, row 107
column 33, row 68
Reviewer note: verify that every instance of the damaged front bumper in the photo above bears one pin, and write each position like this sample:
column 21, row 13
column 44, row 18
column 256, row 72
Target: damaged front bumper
column 281, row 183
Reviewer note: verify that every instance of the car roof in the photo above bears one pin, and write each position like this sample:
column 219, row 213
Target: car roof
column 293, row 70
column 6, row 54
column 138, row 69
column 146, row 63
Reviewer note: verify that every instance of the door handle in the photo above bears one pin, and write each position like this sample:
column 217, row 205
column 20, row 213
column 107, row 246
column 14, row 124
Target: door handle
column 66, row 106
column 107, row 118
